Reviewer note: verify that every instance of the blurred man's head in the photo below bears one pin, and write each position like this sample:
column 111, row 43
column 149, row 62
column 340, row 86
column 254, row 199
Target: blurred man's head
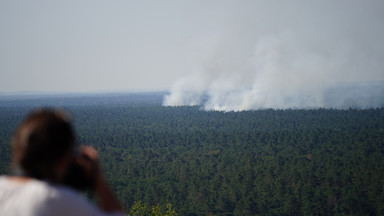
column 42, row 144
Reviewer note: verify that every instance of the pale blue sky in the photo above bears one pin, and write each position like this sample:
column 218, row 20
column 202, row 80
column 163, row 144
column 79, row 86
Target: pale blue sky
column 92, row 45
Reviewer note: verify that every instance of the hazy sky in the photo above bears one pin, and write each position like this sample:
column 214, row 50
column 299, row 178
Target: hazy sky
column 90, row 45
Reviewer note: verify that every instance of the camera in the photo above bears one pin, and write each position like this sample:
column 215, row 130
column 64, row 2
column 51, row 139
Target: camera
column 77, row 176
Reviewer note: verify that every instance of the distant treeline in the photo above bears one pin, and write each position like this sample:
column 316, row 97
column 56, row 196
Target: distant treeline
column 266, row 162
column 81, row 99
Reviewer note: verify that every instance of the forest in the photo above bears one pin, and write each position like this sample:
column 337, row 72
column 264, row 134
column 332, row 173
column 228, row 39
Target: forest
column 260, row 162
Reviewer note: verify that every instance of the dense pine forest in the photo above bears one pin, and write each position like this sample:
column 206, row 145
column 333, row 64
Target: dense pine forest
column 262, row 162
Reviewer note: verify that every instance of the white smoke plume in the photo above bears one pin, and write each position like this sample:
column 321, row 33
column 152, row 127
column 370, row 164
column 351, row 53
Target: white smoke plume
column 289, row 54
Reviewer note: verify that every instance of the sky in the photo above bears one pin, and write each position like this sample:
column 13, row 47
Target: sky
column 239, row 54
column 95, row 45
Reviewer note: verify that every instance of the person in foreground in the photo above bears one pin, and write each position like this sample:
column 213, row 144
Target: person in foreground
column 43, row 154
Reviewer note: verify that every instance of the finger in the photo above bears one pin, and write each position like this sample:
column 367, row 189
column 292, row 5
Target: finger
column 89, row 151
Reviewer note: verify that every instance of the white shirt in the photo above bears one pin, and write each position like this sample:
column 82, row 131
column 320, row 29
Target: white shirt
column 39, row 198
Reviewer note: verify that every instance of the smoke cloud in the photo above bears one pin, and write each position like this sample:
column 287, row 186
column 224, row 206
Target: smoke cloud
column 287, row 54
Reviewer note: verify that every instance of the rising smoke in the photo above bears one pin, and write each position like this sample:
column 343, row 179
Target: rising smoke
column 290, row 54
